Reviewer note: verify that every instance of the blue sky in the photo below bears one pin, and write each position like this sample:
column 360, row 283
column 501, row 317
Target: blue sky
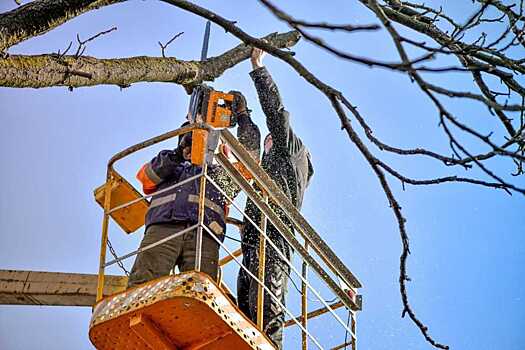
column 467, row 262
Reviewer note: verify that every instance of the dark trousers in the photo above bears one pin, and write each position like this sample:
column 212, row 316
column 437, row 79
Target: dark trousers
column 276, row 279
column 180, row 251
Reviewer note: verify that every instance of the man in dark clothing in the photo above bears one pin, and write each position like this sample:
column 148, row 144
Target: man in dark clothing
column 177, row 208
column 287, row 162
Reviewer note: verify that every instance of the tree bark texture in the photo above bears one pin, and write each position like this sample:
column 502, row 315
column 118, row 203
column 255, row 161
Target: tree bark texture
column 38, row 17
column 40, row 71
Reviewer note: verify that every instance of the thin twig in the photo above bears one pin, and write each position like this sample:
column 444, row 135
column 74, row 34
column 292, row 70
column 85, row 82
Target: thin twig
column 163, row 47
column 82, row 44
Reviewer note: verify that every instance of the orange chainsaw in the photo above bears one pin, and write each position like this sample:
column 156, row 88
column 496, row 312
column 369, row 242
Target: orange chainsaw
column 214, row 108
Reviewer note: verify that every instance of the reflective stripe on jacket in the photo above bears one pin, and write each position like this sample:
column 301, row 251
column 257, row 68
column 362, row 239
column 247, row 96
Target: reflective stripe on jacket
column 181, row 204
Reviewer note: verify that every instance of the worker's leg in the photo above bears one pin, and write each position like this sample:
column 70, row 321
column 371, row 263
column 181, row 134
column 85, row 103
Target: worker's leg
column 159, row 260
column 276, row 279
column 274, row 314
column 243, row 284
column 209, row 254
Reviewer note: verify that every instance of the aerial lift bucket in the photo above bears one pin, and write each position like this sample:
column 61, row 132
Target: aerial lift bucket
column 186, row 311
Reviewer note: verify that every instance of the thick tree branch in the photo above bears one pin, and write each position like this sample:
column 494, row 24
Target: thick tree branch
column 38, row 17
column 51, row 70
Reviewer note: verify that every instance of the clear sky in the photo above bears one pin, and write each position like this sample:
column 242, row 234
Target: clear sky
column 468, row 245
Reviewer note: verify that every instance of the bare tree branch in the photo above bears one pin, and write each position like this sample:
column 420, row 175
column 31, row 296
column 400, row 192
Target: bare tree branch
column 441, row 180
column 334, row 27
column 47, row 70
column 445, row 40
column 38, row 17
column 488, row 102
column 295, row 24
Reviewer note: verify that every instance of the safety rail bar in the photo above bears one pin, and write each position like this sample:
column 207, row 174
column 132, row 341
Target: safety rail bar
column 178, row 184
column 152, row 245
column 271, row 192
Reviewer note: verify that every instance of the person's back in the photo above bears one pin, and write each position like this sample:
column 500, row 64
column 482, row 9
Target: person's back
column 287, row 162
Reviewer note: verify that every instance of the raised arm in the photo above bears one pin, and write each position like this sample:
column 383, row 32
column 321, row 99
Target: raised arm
column 249, row 136
column 248, row 132
column 277, row 118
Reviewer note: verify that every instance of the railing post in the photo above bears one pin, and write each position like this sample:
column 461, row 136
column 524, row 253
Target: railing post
column 104, row 239
column 202, row 198
column 262, row 267
column 353, row 328
column 304, row 302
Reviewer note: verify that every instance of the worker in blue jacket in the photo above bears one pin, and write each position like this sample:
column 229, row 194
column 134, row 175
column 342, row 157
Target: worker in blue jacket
column 177, row 209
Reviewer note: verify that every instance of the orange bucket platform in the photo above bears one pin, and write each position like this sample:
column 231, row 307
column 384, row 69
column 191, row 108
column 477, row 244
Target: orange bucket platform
column 182, row 312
